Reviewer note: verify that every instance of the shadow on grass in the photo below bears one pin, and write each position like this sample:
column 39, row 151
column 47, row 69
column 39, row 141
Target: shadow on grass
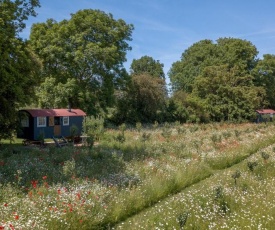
column 21, row 165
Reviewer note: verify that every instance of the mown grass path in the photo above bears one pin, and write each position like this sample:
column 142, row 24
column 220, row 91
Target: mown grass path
column 159, row 215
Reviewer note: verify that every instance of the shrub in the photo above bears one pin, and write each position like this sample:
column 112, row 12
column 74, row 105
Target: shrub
column 93, row 127
column 251, row 165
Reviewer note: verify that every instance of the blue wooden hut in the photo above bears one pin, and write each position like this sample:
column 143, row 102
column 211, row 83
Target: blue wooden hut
column 46, row 123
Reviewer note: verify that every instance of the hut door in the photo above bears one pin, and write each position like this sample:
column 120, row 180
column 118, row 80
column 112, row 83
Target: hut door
column 57, row 126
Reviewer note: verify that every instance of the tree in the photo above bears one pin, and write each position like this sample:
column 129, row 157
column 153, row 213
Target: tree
column 183, row 73
column 147, row 65
column 142, row 101
column 264, row 74
column 219, row 76
column 186, row 107
column 90, row 47
column 54, row 95
column 228, row 93
column 234, row 51
column 205, row 53
column 18, row 65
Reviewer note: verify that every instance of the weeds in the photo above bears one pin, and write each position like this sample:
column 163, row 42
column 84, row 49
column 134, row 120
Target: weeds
column 265, row 156
column 236, row 175
column 251, row 165
column 182, row 219
column 103, row 186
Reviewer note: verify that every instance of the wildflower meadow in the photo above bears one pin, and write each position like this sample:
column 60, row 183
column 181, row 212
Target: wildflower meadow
column 170, row 176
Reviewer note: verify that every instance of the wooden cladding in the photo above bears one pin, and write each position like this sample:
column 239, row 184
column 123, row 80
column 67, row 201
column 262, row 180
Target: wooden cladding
column 51, row 121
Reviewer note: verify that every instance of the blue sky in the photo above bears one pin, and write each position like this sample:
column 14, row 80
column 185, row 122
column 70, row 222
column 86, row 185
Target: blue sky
column 164, row 29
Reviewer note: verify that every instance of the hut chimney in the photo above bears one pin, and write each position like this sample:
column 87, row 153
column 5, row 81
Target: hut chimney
column 69, row 107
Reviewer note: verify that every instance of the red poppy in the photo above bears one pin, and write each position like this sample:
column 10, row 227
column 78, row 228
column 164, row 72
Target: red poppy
column 44, row 177
column 34, row 183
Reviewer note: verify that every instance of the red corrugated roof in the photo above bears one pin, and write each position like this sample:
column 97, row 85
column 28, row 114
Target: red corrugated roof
column 55, row 112
column 265, row 111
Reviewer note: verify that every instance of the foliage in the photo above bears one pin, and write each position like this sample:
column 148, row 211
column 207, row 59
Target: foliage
column 264, row 76
column 251, row 165
column 74, row 130
column 93, row 127
column 143, row 101
column 236, row 175
column 145, row 136
column 265, row 156
column 228, row 93
column 219, row 76
column 19, row 67
column 147, row 65
column 138, row 126
column 51, row 94
column 121, row 136
column 187, row 108
column 182, row 218
column 90, row 48
column 166, row 131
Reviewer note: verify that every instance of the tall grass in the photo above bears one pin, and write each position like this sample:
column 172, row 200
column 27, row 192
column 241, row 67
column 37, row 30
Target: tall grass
column 113, row 184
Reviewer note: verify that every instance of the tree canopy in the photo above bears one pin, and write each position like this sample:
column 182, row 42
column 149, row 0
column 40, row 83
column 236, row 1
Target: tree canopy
column 226, row 51
column 228, row 93
column 147, row 65
column 220, row 76
column 143, row 100
column 90, row 47
column 18, row 65
column 264, row 76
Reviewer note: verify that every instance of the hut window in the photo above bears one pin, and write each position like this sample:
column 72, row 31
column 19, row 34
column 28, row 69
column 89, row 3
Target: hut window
column 65, row 120
column 41, row 121
column 25, row 122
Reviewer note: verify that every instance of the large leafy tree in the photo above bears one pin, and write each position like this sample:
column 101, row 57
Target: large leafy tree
column 228, row 93
column 205, row 53
column 90, row 47
column 143, row 100
column 18, row 64
column 193, row 60
column 219, row 74
column 146, row 94
column 234, row 51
